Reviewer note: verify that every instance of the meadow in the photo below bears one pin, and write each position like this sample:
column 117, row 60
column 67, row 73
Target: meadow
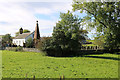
column 90, row 44
column 28, row 64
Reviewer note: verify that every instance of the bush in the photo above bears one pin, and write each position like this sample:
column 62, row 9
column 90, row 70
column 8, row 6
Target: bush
column 52, row 48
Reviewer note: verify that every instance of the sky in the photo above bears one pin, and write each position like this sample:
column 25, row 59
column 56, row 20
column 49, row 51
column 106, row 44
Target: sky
column 14, row 15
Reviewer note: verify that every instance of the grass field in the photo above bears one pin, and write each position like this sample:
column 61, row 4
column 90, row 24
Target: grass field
column 22, row 64
column 89, row 44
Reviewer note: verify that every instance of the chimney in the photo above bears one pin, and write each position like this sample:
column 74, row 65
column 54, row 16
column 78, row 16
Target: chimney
column 21, row 30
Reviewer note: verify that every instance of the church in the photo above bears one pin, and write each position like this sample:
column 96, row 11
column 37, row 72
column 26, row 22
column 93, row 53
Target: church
column 21, row 39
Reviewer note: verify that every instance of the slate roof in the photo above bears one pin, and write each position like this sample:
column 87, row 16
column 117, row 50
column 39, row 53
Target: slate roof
column 22, row 36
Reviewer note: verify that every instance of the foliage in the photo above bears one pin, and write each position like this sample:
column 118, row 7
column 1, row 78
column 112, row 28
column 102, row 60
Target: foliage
column 29, row 64
column 17, row 33
column 6, row 39
column 104, row 17
column 24, row 31
column 67, row 35
column 99, row 41
column 40, row 44
column 29, row 43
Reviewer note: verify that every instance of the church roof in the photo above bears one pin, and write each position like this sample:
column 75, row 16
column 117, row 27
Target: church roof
column 23, row 35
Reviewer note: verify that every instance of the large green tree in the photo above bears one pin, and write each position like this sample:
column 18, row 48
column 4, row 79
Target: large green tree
column 104, row 17
column 6, row 39
column 67, row 34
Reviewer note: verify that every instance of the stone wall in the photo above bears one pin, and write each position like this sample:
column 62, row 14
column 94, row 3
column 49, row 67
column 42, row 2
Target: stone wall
column 31, row 49
column 24, row 49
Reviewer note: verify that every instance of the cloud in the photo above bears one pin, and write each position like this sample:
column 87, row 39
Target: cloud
column 54, row 8
column 43, row 10
column 23, row 14
column 16, row 15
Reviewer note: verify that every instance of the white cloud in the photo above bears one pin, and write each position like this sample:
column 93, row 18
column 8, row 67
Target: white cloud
column 54, row 8
column 35, row 0
column 43, row 10
column 44, row 24
column 16, row 15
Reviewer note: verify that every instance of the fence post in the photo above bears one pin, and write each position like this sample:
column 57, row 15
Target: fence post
column 33, row 77
column 62, row 77
column 86, row 47
column 96, row 47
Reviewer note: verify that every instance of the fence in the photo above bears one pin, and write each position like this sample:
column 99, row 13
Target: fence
column 91, row 48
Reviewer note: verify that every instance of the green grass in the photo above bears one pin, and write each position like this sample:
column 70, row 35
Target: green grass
column 89, row 44
column 90, row 41
column 20, row 64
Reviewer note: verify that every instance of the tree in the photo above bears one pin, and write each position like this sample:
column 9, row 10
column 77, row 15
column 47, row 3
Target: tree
column 29, row 43
column 6, row 39
column 24, row 31
column 67, row 35
column 103, row 16
column 41, row 42
column 99, row 41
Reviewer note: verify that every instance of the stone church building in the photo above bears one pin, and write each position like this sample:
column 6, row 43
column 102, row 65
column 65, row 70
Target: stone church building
column 21, row 39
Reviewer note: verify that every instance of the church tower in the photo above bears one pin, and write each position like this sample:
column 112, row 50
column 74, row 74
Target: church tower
column 21, row 31
column 36, row 34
